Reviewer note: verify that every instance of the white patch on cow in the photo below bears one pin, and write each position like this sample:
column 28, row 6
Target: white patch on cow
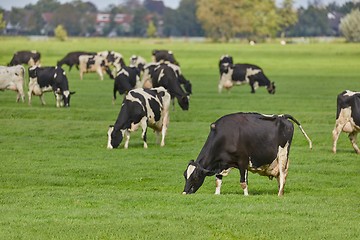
column 123, row 71
column 161, row 75
column 252, row 71
column 55, row 75
column 189, row 171
column 256, row 85
column 350, row 93
column 66, row 93
column 225, row 172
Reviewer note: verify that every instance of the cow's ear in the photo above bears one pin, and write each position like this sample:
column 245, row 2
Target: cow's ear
column 71, row 93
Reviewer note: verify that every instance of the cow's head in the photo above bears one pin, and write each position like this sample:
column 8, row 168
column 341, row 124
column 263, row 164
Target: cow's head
column 184, row 102
column 115, row 137
column 271, row 88
column 194, row 177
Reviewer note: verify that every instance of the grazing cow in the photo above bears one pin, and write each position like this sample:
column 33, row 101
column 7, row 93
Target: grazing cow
column 90, row 63
column 141, row 107
column 246, row 141
column 347, row 117
column 72, row 58
column 30, row 58
column 242, row 74
column 164, row 56
column 12, row 78
column 225, row 59
column 47, row 79
column 166, row 77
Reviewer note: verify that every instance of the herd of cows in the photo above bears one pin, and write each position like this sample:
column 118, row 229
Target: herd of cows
column 149, row 90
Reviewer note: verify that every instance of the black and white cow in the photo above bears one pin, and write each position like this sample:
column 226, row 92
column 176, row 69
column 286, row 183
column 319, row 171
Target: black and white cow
column 93, row 63
column 72, row 58
column 125, row 80
column 12, row 78
column 246, row 141
column 164, row 56
column 49, row 79
column 141, row 107
column 169, row 76
column 239, row 74
column 166, row 77
column 347, row 117
column 25, row 57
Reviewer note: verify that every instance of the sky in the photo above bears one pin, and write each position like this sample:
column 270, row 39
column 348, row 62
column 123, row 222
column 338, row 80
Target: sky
column 102, row 4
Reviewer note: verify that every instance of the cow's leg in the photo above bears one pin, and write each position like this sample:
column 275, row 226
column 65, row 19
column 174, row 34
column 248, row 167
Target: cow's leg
column 244, row 181
column 143, row 134
column 99, row 71
column 30, row 95
column 127, row 139
column 42, row 99
column 352, row 137
column 336, row 133
column 218, row 182
column 283, row 164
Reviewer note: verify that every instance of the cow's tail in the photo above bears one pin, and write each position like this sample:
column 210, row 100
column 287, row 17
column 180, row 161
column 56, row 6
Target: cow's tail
column 301, row 129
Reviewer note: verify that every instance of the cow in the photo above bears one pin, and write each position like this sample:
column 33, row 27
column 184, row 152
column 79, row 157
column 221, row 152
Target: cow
column 165, row 76
column 249, row 142
column 47, row 79
column 172, row 80
column 126, row 79
column 225, row 59
column 12, row 78
column 113, row 58
column 164, row 56
column 141, row 107
column 30, row 58
column 90, row 63
column 347, row 118
column 72, row 58
column 242, row 74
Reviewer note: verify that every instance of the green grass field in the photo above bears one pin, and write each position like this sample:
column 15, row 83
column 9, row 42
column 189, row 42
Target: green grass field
column 58, row 180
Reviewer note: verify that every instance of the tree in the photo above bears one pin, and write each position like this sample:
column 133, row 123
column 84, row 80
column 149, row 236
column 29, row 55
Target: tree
column 60, row 33
column 350, row 26
column 312, row 21
column 2, row 22
column 288, row 16
column 187, row 23
column 226, row 19
column 151, row 30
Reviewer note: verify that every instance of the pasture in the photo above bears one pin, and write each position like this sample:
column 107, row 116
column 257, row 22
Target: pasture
column 58, row 180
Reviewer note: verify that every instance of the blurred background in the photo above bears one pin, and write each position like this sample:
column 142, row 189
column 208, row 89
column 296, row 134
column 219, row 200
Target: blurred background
column 217, row 20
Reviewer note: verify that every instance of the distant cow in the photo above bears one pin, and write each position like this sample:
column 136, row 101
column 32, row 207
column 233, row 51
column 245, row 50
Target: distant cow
column 12, row 78
column 90, row 63
column 347, row 117
column 141, row 107
column 244, row 74
column 165, row 76
column 125, row 80
column 30, row 58
column 72, row 58
column 164, row 56
column 246, row 141
column 47, row 79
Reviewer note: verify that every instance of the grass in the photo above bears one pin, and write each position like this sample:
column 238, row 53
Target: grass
column 58, row 180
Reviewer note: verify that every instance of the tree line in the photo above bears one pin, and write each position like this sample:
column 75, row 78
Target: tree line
column 219, row 20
